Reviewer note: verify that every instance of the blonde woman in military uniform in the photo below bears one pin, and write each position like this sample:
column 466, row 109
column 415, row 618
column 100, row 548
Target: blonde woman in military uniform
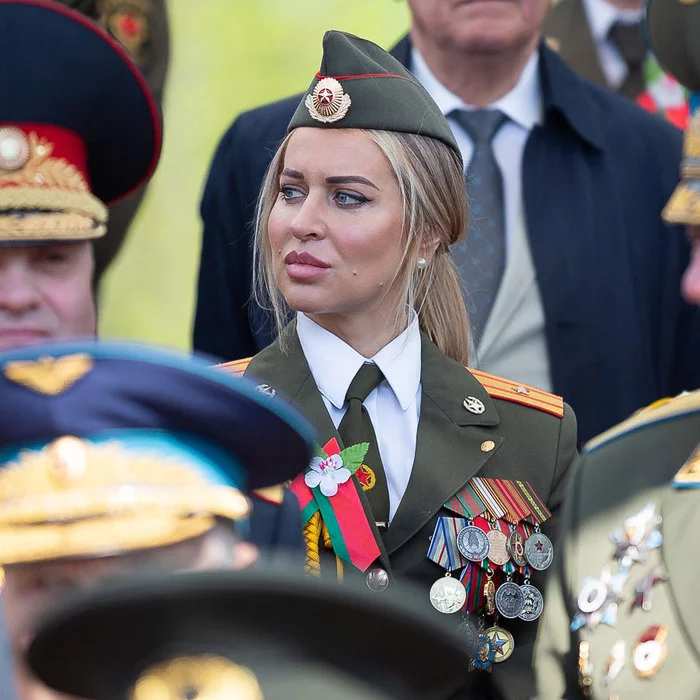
column 356, row 216
column 621, row 616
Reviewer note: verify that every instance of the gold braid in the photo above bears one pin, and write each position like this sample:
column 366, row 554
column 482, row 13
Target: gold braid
column 312, row 537
column 329, row 545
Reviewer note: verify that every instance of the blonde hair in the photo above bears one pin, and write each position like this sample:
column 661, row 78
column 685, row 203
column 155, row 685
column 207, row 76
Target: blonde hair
column 431, row 182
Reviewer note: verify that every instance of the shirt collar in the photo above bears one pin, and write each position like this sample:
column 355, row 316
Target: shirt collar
column 522, row 105
column 399, row 360
column 602, row 15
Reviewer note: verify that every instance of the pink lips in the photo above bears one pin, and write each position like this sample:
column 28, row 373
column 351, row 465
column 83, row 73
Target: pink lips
column 302, row 266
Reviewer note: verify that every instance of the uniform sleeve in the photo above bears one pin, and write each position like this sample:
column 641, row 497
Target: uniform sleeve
column 555, row 657
column 221, row 325
column 566, row 459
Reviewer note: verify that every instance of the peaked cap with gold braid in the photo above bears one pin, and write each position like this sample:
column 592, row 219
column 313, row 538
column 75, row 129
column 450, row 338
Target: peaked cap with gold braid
column 111, row 447
column 79, row 127
column 361, row 86
column 673, row 28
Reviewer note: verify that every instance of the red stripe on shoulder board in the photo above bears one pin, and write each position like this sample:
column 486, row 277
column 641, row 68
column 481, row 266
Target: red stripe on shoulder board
column 524, row 394
column 237, row 367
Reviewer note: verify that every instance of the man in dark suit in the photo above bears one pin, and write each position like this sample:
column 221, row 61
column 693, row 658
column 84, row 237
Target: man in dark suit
column 588, row 306
column 602, row 40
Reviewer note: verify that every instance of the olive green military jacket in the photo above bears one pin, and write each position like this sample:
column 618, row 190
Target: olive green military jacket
column 531, row 445
column 647, row 654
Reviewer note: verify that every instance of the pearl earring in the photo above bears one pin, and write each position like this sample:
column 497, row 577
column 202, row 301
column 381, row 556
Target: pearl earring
column 421, row 263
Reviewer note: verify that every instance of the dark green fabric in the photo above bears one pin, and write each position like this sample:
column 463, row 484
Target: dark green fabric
column 398, row 103
column 673, row 29
column 530, row 445
column 356, row 427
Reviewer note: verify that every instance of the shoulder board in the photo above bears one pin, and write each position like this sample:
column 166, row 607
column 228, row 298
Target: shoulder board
column 235, row 367
column 271, row 494
column 508, row 390
column 664, row 409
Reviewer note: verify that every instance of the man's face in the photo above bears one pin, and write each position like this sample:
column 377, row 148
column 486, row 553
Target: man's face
column 479, row 26
column 691, row 278
column 45, row 293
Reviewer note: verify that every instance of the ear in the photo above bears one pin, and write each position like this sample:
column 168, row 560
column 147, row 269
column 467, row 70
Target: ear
column 430, row 244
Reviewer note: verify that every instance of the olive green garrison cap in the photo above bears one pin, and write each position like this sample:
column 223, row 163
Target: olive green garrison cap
column 361, row 86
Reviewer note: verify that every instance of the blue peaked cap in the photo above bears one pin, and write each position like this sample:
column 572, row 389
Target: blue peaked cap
column 150, row 399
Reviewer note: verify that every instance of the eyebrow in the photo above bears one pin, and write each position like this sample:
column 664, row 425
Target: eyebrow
column 335, row 180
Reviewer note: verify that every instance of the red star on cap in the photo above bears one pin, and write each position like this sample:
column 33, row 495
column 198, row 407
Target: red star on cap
column 325, row 96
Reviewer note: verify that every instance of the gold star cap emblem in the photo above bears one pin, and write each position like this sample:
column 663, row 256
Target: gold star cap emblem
column 328, row 102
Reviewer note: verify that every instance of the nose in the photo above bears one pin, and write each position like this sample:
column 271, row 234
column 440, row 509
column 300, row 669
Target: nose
column 18, row 293
column 691, row 279
column 309, row 221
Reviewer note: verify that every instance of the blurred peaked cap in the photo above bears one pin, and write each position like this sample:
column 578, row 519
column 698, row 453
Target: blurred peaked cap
column 295, row 635
column 673, row 32
column 153, row 400
column 361, row 86
column 79, row 127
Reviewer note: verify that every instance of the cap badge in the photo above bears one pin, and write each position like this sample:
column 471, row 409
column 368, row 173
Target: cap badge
column 49, row 375
column 14, row 149
column 198, row 677
column 328, row 102
column 69, row 459
column 129, row 23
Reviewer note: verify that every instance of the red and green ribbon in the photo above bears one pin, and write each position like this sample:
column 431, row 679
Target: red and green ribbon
column 351, row 535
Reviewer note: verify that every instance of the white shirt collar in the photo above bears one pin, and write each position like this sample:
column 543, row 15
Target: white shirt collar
column 522, row 105
column 334, row 363
column 602, row 15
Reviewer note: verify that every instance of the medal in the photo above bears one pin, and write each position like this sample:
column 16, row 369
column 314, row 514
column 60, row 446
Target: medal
column 473, row 543
column 539, row 551
column 490, row 594
column 639, row 534
column 614, row 663
column 503, row 643
column 533, row 603
column 498, row 547
column 585, row 669
column 483, row 658
column 598, row 601
column 510, row 600
column 650, row 651
column 470, row 635
column 516, row 548
column 447, row 595
column 642, row 591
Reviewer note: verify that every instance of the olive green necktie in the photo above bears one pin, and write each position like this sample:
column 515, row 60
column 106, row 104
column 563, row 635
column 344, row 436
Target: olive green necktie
column 630, row 43
column 356, row 427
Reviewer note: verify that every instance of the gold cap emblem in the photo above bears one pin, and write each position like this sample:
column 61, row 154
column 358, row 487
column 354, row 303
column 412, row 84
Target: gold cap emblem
column 205, row 677
column 328, row 102
column 14, row 149
column 49, row 375
column 69, row 459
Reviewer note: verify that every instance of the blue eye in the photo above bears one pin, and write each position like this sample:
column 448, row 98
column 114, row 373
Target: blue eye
column 288, row 193
column 348, row 199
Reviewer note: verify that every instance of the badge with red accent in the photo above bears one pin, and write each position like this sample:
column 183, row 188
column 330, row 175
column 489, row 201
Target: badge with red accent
column 650, row 651
column 128, row 22
column 328, row 102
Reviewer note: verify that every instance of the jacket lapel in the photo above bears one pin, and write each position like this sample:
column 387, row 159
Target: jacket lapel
column 567, row 31
column 448, row 445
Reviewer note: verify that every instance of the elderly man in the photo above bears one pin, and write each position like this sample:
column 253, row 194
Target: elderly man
column 621, row 612
column 571, row 275
column 122, row 460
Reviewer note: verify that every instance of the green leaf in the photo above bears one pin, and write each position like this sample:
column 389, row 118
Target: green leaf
column 352, row 456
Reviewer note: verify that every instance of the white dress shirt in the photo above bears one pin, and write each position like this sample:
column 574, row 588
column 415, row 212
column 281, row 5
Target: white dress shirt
column 514, row 343
column 601, row 17
column 393, row 407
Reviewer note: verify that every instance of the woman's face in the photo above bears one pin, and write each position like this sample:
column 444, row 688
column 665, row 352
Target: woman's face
column 336, row 228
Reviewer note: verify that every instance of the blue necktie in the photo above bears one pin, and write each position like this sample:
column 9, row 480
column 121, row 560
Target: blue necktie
column 481, row 256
